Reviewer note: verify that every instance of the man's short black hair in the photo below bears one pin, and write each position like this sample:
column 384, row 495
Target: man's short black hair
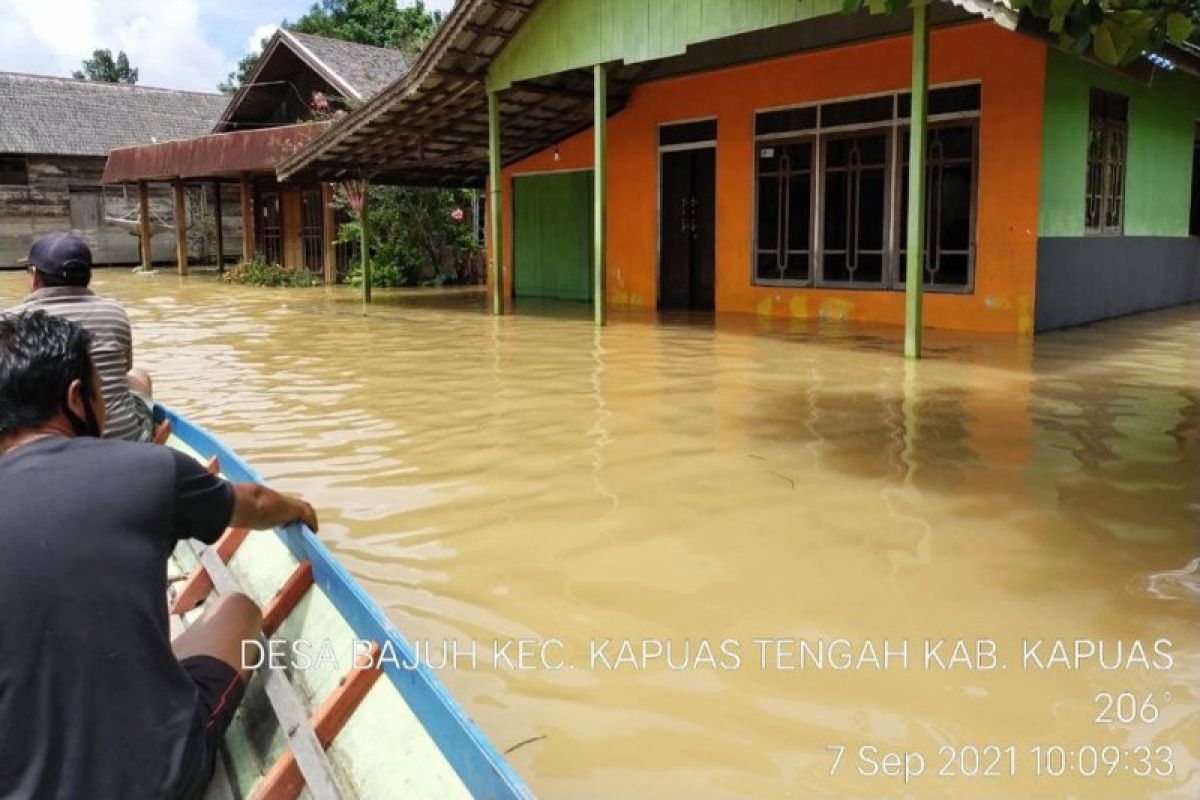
column 39, row 357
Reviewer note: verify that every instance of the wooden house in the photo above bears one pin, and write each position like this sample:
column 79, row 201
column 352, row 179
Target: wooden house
column 55, row 134
column 299, row 85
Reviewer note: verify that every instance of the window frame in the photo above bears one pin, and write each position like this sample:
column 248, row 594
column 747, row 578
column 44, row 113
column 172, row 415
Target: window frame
column 892, row 273
column 803, row 138
column 1106, row 126
column 899, row 256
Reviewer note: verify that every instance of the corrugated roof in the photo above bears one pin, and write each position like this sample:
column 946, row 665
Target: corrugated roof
column 63, row 116
column 364, row 69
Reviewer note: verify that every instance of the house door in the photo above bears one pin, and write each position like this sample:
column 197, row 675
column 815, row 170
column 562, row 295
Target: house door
column 687, row 229
column 552, row 235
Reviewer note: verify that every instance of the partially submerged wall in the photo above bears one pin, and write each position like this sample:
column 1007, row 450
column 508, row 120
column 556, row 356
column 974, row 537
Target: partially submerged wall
column 1154, row 263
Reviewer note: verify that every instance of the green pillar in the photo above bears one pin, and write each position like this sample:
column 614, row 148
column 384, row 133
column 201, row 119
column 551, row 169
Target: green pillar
column 364, row 230
column 495, row 201
column 915, row 267
column 600, row 187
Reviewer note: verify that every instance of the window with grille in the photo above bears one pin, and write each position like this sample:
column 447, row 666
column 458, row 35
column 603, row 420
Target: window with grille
column 831, row 192
column 1108, row 136
column 785, row 189
column 949, row 206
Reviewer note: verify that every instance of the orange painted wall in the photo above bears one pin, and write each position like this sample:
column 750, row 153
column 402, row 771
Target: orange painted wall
column 1011, row 69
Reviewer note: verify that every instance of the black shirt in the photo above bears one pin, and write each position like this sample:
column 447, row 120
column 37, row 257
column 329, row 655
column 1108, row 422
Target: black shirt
column 93, row 703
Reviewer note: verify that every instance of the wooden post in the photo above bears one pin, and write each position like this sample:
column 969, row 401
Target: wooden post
column 247, row 219
column 329, row 233
column 495, row 200
column 180, row 228
column 364, row 228
column 144, row 236
column 599, row 181
column 915, row 262
column 219, row 226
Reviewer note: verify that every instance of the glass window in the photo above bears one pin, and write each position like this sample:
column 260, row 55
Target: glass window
column 1108, row 134
column 854, row 209
column 832, row 204
column 783, row 231
column 949, row 207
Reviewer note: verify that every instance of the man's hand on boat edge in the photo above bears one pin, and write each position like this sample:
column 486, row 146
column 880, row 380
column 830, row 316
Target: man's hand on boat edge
column 260, row 508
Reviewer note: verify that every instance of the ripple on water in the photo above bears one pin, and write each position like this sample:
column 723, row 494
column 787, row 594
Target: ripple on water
column 738, row 478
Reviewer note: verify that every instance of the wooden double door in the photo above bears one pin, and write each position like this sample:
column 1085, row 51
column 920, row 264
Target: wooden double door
column 687, row 229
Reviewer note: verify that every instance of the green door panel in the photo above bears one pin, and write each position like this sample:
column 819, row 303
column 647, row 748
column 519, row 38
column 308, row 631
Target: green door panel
column 552, row 235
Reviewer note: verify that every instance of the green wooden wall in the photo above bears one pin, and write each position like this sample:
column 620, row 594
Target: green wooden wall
column 552, row 235
column 570, row 34
column 1158, row 181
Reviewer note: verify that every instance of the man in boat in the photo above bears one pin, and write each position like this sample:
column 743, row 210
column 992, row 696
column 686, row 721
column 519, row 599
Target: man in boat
column 60, row 269
column 96, row 701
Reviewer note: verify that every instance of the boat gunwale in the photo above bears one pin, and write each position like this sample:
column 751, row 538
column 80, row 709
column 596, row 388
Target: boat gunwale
column 482, row 769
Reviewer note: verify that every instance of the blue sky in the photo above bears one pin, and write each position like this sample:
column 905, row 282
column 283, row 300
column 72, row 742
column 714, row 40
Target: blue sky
column 182, row 44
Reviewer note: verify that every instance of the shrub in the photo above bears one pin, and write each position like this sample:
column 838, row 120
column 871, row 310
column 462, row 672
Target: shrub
column 259, row 272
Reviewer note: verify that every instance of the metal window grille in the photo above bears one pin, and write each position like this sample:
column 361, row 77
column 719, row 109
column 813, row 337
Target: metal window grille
column 312, row 234
column 841, row 222
column 1108, row 135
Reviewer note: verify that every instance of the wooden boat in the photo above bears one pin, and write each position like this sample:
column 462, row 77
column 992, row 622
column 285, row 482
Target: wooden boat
column 346, row 726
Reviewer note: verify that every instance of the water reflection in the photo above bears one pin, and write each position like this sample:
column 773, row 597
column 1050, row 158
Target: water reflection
column 705, row 478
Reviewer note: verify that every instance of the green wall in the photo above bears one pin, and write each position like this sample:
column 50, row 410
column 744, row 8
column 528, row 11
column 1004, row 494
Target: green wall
column 1158, row 180
column 552, row 235
column 569, row 34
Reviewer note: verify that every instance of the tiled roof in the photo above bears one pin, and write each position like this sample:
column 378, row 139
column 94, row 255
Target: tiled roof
column 63, row 116
column 366, row 70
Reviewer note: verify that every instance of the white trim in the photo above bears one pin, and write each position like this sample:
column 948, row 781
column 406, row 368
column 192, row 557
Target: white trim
column 329, row 73
column 868, row 96
column 688, row 121
column 674, row 148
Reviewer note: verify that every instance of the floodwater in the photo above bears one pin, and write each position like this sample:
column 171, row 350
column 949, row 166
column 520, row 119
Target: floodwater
column 730, row 488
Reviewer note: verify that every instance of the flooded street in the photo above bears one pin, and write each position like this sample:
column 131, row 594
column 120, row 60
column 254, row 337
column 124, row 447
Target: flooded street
column 735, row 485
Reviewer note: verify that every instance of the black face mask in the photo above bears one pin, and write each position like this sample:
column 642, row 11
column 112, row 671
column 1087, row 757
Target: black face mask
column 89, row 426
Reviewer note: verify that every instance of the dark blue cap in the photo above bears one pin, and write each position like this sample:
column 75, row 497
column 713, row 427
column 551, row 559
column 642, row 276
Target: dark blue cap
column 63, row 255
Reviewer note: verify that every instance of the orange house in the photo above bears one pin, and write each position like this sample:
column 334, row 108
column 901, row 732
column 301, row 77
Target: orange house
column 754, row 157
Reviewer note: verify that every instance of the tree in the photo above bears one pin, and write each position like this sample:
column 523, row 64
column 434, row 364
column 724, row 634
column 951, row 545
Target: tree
column 375, row 22
column 1116, row 32
column 102, row 67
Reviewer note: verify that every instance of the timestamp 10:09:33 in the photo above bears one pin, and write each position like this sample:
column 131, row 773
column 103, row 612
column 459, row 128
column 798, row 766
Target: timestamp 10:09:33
column 1000, row 761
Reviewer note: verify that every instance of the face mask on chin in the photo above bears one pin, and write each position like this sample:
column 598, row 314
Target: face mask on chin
column 89, row 426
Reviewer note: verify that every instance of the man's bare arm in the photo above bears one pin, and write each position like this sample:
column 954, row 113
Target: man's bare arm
column 259, row 508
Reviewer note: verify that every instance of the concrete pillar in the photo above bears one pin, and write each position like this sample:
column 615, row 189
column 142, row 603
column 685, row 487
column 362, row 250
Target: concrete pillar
column 914, row 274
column 495, row 205
column 220, row 227
column 145, row 237
column 599, row 183
column 181, row 252
column 247, row 219
column 329, row 233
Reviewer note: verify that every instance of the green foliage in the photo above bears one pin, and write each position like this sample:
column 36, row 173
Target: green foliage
column 414, row 239
column 1116, row 32
column 258, row 272
column 375, row 22
column 104, row 68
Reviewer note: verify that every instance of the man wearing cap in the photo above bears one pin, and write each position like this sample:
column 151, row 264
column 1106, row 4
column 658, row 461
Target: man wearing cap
column 60, row 267
column 96, row 700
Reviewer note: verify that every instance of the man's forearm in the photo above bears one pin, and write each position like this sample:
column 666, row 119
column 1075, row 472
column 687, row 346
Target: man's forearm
column 259, row 508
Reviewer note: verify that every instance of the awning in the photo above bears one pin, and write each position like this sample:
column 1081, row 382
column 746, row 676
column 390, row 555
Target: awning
column 218, row 155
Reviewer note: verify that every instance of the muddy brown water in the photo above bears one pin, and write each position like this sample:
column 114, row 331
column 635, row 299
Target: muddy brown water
column 713, row 492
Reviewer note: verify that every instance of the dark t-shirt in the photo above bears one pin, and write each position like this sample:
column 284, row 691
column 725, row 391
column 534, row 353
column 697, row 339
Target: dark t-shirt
column 92, row 701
